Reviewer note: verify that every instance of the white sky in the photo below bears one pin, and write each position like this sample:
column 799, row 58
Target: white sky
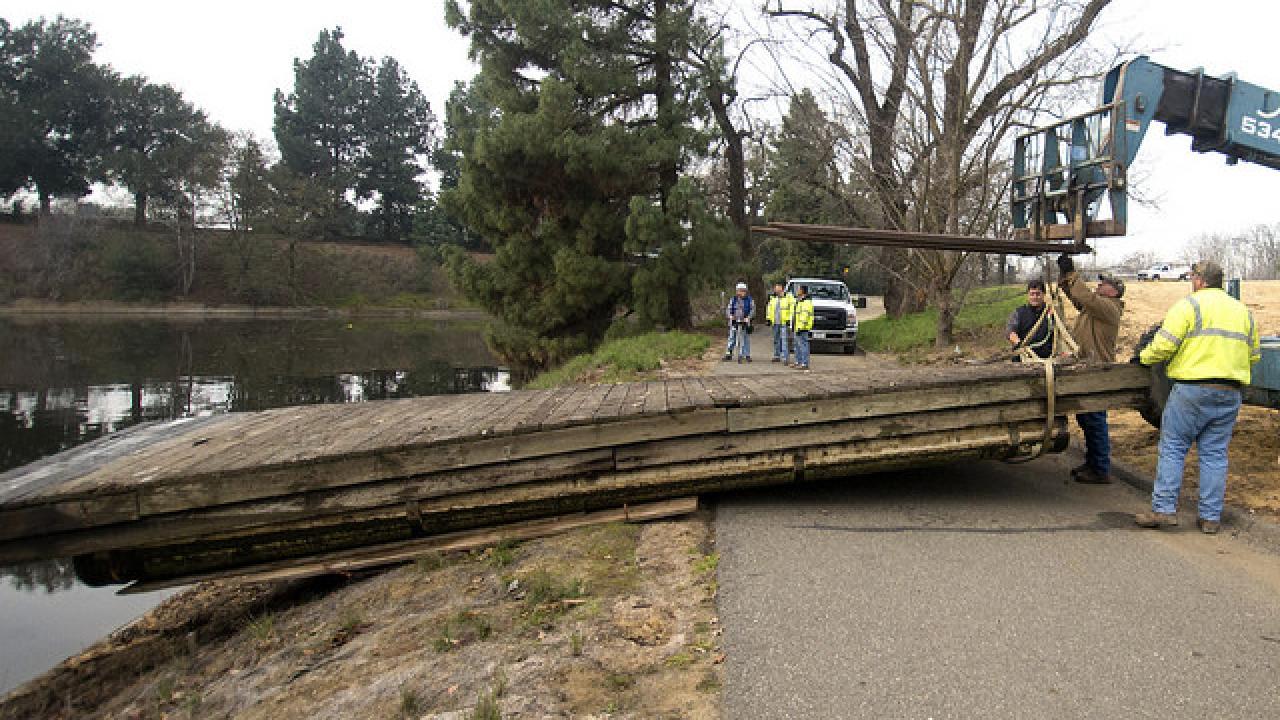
column 229, row 58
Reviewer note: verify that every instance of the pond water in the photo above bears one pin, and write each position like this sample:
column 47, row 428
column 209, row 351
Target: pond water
column 67, row 382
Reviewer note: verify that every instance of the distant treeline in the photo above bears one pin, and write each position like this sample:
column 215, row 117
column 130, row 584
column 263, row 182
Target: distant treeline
column 354, row 139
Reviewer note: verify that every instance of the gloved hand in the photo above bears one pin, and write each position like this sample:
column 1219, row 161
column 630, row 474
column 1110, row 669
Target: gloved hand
column 1066, row 264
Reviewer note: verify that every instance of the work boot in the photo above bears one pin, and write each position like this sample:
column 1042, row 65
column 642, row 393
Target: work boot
column 748, row 358
column 739, row 359
column 1089, row 476
column 727, row 357
column 1079, row 469
column 776, row 359
column 1155, row 519
column 1208, row 527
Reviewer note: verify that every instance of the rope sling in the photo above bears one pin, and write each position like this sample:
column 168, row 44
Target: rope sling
column 1060, row 340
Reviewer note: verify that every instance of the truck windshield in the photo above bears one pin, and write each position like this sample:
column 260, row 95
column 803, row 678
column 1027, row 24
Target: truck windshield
column 826, row 292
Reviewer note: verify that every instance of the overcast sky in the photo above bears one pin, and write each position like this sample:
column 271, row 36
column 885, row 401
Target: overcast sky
column 229, row 57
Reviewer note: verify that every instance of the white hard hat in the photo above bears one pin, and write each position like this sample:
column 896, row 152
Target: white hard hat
column 741, row 286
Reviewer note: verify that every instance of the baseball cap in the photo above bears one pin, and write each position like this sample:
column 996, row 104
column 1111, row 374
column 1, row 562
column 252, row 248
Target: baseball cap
column 740, row 286
column 1113, row 281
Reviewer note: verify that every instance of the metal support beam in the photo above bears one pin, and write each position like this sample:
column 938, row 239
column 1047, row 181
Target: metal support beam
column 840, row 235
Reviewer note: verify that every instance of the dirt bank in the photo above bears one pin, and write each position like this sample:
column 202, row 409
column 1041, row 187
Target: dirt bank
column 617, row 621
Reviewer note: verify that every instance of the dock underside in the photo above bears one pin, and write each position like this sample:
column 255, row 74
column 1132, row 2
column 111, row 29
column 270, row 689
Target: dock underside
column 307, row 486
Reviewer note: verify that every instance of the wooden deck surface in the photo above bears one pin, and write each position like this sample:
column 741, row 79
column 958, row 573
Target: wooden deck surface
column 289, row 464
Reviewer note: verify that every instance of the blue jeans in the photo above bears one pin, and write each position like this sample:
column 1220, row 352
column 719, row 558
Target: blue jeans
column 802, row 347
column 1205, row 416
column 1097, row 441
column 738, row 334
column 781, row 348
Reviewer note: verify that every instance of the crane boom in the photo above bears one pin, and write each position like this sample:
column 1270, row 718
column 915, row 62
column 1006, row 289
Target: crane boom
column 1063, row 172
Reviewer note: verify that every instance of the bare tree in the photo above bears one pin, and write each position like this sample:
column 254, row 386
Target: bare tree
column 941, row 86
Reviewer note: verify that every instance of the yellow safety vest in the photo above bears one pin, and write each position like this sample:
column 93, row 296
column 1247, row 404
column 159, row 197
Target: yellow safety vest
column 804, row 314
column 787, row 303
column 1207, row 335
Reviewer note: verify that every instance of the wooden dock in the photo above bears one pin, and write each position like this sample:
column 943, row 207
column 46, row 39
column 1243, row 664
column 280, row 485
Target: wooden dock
column 250, row 490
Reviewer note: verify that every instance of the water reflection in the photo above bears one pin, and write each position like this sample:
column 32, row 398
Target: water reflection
column 62, row 383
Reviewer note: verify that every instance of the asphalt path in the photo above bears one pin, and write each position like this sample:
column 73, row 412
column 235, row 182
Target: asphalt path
column 988, row 591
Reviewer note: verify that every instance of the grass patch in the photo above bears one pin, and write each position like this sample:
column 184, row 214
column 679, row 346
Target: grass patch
column 263, row 627
column 460, row 629
column 624, row 359
column 706, row 564
column 984, row 309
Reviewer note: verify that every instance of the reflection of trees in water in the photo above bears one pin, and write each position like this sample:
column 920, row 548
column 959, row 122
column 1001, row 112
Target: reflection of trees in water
column 113, row 375
column 50, row 576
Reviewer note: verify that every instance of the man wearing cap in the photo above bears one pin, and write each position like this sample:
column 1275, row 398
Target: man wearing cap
column 1210, row 342
column 739, row 313
column 1095, row 331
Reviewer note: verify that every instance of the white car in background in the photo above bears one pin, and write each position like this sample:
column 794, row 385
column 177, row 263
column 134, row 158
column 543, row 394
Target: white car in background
column 835, row 316
column 1165, row 271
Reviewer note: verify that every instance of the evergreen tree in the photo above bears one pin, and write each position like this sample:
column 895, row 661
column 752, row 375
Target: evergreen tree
column 599, row 98
column 158, row 140
column 806, row 183
column 320, row 126
column 398, row 130
column 53, row 100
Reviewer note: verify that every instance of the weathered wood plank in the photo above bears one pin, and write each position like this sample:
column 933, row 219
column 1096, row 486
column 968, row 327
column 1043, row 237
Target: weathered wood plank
column 407, row 551
column 698, row 395
column 655, row 398
column 923, row 399
column 677, row 397
column 612, row 405
column 633, row 403
column 679, row 450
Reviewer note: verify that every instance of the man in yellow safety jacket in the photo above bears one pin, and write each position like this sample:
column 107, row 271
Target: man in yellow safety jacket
column 1209, row 341
column 778, row 314
column 803, row 323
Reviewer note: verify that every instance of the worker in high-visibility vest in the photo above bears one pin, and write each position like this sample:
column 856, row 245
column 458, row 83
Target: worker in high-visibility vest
column 803, row 324
column 1210, row 342
column 778, row 314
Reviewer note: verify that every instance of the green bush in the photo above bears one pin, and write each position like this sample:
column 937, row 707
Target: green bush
column 140, row 266
column 619, row 360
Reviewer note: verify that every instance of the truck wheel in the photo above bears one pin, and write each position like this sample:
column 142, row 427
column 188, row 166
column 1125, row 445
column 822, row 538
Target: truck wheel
column 851, row 348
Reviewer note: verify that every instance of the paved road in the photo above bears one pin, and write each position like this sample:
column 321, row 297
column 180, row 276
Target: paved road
column 991, row 591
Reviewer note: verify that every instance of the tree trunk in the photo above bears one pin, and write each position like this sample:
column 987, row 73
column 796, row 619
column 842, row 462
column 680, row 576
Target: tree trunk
column 679, row 308
column 140, row 209
column 1004, row 270
column 46, row 203
column 946, row 314
column 735, row 156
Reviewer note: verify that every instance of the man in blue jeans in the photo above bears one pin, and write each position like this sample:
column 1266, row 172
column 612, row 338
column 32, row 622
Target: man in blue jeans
column 739, row 312
column 1095, row 330
column 1210, row 342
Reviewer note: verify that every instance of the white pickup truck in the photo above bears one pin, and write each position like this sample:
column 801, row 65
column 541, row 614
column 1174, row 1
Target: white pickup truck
column 835, row 317
column 1165, row 271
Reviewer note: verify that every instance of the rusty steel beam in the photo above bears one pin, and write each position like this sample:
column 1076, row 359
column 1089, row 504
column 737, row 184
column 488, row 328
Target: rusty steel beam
column 841, row 235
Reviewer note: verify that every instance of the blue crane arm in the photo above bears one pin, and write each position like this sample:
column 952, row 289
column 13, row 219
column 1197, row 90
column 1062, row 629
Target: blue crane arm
column 1224, row 115
column 1063, row 172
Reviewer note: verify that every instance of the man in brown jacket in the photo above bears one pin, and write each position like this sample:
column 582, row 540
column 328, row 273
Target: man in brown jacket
column 1095, row 331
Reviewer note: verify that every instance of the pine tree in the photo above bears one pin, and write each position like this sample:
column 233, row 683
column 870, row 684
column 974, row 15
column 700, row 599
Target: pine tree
column 577, row 133
column 399, row 130
column 320, row 126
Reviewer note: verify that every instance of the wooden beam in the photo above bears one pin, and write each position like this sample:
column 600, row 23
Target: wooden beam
column 396, row 553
